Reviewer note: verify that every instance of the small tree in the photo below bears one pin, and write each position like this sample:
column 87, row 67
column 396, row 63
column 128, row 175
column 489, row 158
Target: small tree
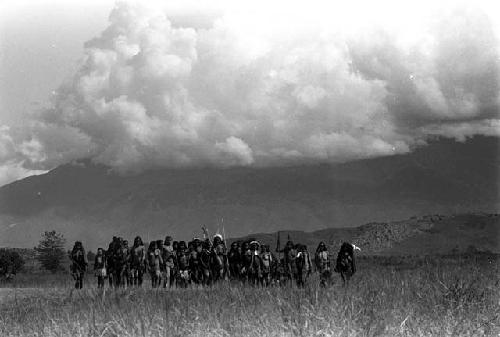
column 50, row 250
column 10, row 262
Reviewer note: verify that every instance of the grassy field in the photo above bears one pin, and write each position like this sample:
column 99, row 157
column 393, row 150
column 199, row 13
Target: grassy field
column 398, row 297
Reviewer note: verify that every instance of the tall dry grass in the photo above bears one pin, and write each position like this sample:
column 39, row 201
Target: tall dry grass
column 439, row 298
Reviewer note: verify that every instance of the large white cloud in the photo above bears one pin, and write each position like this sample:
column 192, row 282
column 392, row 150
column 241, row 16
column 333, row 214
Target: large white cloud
column 257, row 89
column 13, row 156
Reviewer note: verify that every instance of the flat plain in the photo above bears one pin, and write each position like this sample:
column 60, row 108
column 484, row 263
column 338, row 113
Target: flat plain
column 388, row 296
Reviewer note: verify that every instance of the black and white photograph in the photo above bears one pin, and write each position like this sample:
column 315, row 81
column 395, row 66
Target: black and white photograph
column 249, row 168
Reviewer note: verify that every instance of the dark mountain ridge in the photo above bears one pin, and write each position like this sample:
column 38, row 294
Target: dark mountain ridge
column 90, row 202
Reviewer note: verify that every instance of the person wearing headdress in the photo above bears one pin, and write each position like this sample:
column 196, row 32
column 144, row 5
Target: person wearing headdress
column 255, row 266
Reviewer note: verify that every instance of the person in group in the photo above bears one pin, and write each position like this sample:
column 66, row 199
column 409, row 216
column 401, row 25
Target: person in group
column 289, row 256
column 304, row 266
column 110, row 259
column 346, row 265
column 234, row 260
column 194, row 248
column 206, row 262
column 169, row 272
column 254, row 269
column 137, row 261
column 155, row 264
column 322, row 262
column 220, row 264
column 168, row 254
column 183, row 277
column 246, row 261
column 78, row 264
column 100, row 267
column 122, row 264
column 268, row 265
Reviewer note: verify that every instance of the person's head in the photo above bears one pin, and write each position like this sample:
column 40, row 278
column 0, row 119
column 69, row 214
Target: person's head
column 175, row 245
column 266, row 248
column 289, row 244
column 182, row 245
column 168, row 240
column 217, row 239
column 125, row 244
column 138, row 241
column 245, row 246
column 254, row 245
column 100, row 251
column 152, row 245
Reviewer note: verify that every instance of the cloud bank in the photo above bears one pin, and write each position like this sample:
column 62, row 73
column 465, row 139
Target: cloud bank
column 265, row 88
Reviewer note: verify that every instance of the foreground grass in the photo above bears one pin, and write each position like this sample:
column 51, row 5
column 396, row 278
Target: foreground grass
column 435, row 299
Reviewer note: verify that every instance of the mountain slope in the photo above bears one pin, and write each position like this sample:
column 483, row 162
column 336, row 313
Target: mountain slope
column 427, row 235
column 89, row 202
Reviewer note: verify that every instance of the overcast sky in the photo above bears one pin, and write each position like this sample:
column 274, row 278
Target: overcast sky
column 40, row 43
column 225, row 83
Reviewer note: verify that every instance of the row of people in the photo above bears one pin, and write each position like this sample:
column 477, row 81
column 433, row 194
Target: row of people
column 207, row 261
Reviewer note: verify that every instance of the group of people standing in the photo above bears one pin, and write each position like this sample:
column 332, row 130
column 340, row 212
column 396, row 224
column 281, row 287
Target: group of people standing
column 203, row 262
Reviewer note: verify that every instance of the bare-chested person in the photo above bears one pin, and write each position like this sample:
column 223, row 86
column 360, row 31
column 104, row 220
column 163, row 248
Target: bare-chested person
column 155, row 263
column 100, row 267
column 168, row 256
column 137, row 261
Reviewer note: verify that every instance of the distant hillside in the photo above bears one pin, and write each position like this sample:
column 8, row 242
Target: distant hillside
column 88, row 202
column 427, row 235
